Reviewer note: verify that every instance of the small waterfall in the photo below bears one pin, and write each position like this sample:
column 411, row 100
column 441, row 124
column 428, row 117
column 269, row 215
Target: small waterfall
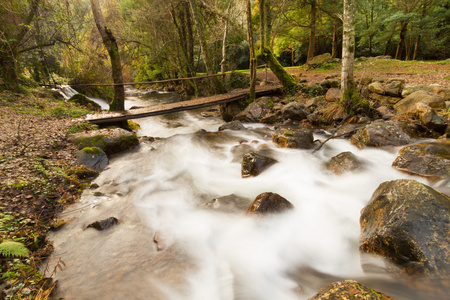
column 67, row 92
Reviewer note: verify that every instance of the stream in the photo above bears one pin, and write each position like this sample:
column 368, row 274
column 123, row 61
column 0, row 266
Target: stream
column 178, row 238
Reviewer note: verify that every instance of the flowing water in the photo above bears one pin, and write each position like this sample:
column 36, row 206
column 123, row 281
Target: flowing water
column 178, row 239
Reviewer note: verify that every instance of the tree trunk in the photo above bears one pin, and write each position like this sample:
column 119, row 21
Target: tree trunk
column 401, row 40
column 224, row 48
column 252, row 50
column 312, row 31
column 268, row 24
column 110, row 43
column 8, row 71
column 348, row 47
column 262, row 23
column 416, row 47
column 266, row 55
column 334, row 46
column 204, row 47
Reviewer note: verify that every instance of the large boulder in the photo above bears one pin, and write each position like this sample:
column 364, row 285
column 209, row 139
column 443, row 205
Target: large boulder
column 318, row 60
column 254, row 164
column 93, row 158
column 293, row 138
column 347, row 290
column 112, row 140
column 440, row 91
column 380, row 134
column 431, row 159
column 408, row 223
column 268, row 203
column 345, row 162
column 409, row 104
column 295, row 111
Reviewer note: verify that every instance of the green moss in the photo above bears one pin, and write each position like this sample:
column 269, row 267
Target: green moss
column 283, row 76
column 91, row 150
column 80, row 127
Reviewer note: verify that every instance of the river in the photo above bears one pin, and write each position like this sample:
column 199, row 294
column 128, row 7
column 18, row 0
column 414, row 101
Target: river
column 175, row 240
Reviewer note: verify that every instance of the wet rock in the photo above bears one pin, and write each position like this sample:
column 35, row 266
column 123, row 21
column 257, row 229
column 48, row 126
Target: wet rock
column 254, row 164
column 408, row 104
column 229, row 204
column 229, row 110
column 345, row 131
column 233, row 125
column 295, row 111
column 380, row 134
column 333, row 95
column 394, row 88
column 251, row 113
column 377, row 88
column 268, row 203
column 82, row 100
column 295, row 138
column 347, row 290
column 104, row 224
column 408, row 223
column 93, row 158
column 431, row 159
column 345, row 162
column 430, row 119
column 111, row 141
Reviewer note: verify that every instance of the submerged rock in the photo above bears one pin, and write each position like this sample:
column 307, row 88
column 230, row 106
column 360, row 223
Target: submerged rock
column 104, row 224
column 345, row 162
column 380, row 134
column 254, row 164
column 111, row 141
column 347, row 290
column 268, row 203
column 431, row 159
column 293, row 138
column 93, row 158
column 229, row 204
column 234, row 125
column 408, row 223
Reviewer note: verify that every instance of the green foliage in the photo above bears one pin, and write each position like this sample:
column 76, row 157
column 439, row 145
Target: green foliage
column 64, row 110
column 13, row 249
column 238, row 80
column 81, row 127
column 91, row 150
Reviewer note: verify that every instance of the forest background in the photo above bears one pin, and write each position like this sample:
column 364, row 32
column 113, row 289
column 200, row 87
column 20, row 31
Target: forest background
column 56, row 41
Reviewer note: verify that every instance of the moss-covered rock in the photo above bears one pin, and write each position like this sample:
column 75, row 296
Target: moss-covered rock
column 348, row 290
column 408, row 104
column 380, row 134
column 93, row 158
column 112, row 140
column 293, row 138
column 408, row 223
column 431, row 159
column 82, row 100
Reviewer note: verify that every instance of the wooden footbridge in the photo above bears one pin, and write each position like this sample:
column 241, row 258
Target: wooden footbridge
column 112, row 117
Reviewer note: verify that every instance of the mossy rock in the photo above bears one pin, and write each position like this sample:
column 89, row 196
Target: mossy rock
column 348, row 290
column 111, row 140
column 381, row 134
column 82, row 100
column 408, row 223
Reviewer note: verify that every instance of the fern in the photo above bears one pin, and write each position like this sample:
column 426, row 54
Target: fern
column 14, row 249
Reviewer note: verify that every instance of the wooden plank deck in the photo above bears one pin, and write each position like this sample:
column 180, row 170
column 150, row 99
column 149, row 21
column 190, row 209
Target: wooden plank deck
column 111, row 117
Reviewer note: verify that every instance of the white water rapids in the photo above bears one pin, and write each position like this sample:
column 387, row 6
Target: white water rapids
column 164, row 190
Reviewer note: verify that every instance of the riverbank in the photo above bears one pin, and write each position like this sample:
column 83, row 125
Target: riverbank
column 38, row 174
